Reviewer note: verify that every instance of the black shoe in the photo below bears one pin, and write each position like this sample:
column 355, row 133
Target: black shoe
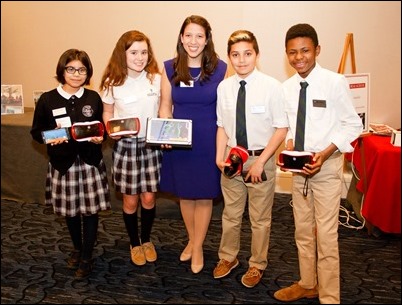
column 74, row 260
column 84, row 269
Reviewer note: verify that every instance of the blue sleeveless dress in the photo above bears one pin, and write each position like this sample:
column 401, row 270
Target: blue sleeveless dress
column 192, row 173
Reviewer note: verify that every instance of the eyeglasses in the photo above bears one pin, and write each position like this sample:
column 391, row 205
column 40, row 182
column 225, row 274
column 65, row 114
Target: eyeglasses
column 71, row 70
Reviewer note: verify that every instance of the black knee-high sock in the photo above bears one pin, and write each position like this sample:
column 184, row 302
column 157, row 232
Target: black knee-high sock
column 147, row 220
column 74, row 227
column 90, row 230
column 131, row 222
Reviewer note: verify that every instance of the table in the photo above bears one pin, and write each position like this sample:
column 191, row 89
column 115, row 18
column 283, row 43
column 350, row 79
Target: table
column 24, row 164
column 378, row 163
column 24, row 161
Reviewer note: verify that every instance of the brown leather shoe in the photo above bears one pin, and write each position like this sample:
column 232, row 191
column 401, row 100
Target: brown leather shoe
column 294, row 293
column 252, row 277
column 224, row 267
column 84, row 269
column 74, row 260
column 138, row 255
column 149, row 251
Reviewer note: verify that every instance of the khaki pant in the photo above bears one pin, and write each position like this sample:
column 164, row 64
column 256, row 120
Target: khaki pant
column 260, row 201
column 316, row 220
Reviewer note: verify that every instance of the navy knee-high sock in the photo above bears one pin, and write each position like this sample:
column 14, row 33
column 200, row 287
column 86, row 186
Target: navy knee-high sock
column 147, row 220
column 74, row 228
column 131, row 222
column 90, row 230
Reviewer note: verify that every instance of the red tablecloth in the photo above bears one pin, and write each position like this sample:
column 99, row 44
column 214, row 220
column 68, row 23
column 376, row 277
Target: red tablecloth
column 382, row 200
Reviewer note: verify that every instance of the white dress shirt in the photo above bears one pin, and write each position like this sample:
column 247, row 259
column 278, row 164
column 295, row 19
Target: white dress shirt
column 330, row 114
column 264, row 108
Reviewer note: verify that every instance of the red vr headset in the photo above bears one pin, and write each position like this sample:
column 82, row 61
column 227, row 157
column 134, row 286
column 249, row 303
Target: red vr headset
column 84, row 131
column 238, row 155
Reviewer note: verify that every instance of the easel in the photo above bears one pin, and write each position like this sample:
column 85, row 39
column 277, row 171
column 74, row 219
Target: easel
column 350, row 45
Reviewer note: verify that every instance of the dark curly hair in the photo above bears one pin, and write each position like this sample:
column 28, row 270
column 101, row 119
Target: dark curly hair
column 302, row 30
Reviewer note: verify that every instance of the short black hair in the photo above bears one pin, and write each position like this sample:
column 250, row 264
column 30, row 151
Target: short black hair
column 70, row 55
column 302, row 30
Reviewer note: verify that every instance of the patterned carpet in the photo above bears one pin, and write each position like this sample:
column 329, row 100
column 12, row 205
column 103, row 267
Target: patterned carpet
column 35, row 244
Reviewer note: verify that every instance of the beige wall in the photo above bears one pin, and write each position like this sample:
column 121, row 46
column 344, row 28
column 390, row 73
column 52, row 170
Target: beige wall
column 34, row 35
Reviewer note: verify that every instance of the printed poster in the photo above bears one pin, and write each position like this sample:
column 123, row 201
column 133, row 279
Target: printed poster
column 359, row 85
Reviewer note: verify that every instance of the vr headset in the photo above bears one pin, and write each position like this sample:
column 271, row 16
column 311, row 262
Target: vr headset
column 123, row 126
column 84, row 131
column 294, row 161
column 238, row 155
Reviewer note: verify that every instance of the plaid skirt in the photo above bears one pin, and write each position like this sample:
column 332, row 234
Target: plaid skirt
column 84, row 189
column 136, row 167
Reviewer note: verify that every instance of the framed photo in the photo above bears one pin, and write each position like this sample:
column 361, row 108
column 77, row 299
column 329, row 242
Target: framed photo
column 11, row 99
column 36, row 96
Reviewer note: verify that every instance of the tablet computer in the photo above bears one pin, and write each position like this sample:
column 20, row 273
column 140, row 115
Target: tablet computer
column 53, row 135
column 175, row 132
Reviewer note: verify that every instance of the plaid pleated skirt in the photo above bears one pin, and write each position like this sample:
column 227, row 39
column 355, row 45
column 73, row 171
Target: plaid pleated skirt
column 136, row 167
column 84, row 189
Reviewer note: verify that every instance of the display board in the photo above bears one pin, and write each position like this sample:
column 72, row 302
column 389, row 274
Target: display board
column 359, row 85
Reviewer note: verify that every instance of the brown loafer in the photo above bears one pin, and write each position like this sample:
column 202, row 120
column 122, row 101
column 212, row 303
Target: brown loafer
column 295, row 292
column 149, row 252
column 252, row 277
column 138, row 255
column 74, row 260
column 224, row 268
column 84, row 269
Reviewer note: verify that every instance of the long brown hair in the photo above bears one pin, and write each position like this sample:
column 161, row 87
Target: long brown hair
column 116, row 71
column 209, row 59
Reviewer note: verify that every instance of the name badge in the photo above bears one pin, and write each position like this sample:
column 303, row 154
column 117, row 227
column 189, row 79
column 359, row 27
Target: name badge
column 258, row 109
column 188, row 86
column 320, row 103
column 59, row 111
column 130, row 99
column 64, row 121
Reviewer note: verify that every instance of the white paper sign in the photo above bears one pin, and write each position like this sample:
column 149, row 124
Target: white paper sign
column 359, row 85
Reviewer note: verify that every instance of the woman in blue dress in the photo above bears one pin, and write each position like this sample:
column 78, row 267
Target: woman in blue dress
column 188, row 91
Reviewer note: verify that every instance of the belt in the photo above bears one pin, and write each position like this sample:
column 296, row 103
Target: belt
column 255, row 153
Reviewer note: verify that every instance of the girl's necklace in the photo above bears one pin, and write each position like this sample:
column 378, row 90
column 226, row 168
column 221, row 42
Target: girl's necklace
column 195, row 79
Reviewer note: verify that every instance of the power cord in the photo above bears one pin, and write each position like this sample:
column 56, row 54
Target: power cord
column 352, row 165
column 349, row 216
column 344, row 213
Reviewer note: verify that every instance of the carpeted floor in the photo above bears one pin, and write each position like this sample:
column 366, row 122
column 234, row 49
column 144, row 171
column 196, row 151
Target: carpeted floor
column 35, row 244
